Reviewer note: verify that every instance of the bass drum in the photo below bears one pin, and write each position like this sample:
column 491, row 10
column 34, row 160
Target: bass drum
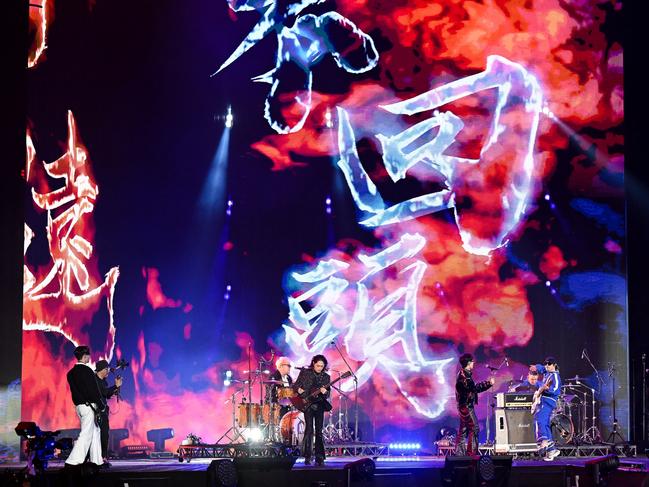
column 291, row 428
column 562, row 429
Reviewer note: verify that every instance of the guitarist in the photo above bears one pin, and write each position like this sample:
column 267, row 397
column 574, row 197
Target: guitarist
column 312, row 379
column 101, row 372
column 550, row 389
column 466, row 395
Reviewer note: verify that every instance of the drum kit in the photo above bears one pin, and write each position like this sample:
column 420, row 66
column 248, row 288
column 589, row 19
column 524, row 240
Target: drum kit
column 273, row 419
column 263, row 421
column 574, row 419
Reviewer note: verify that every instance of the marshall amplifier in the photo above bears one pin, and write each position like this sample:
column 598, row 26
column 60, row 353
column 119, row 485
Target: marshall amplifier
column 513, row 400
column 515, row 430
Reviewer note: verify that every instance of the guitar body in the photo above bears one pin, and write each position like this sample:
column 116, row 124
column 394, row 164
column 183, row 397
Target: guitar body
column 303, row 403
column 299, row 403
column 536, row 401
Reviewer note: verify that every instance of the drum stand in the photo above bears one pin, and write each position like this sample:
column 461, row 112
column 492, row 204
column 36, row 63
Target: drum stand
column 234, row 430
column 615, row 432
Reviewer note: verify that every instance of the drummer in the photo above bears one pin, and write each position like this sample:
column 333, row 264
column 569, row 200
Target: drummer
column 530, row 384
column 283, row 365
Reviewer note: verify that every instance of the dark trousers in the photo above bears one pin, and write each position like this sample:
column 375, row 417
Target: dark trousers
column 314, row 419
column 466, row 442
column 104, row 428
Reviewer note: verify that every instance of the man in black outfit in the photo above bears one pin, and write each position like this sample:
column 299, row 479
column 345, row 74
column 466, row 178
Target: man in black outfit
column 466, row 395
column 87, row 400
column 101, row 371
column 312, row 379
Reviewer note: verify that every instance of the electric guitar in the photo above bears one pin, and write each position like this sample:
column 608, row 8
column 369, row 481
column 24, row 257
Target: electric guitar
column 536, row 401
column 303, row 403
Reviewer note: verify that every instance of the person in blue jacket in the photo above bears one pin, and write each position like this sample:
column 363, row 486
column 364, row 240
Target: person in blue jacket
column 549, row 386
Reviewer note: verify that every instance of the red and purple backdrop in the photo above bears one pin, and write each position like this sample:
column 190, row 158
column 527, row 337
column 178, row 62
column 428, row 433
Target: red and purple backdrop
column 408, row 179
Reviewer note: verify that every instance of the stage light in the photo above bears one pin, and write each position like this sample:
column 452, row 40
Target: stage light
column 228, row 373
column 329, row 123
column 228, row 287
column 402, row 447
column 547, row 197
column 158, row 437
column 362, row 469
column 229, row 118
column 548, row 283
column 328, row 201
column 253, row 435
column 230, row 203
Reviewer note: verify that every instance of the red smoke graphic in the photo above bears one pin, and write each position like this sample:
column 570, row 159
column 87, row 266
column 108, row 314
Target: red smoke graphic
column 462, row 299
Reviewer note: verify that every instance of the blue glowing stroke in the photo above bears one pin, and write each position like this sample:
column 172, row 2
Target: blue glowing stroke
column 514, row 84
column 302, row 42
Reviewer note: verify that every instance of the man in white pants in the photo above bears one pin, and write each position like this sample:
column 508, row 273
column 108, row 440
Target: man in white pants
column 87, row 398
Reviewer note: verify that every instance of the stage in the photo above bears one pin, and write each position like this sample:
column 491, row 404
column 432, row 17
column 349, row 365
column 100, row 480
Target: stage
column 390, row 471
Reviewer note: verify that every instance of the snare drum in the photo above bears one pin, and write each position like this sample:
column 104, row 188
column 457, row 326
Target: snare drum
column 292, row 428
column 246, row 420
column 271, row 413
column 284, row 395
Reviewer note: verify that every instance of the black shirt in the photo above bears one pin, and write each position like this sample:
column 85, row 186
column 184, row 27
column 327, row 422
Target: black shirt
column 106, row 392
column 310, row 381
column 83, row 385
column 466, row 390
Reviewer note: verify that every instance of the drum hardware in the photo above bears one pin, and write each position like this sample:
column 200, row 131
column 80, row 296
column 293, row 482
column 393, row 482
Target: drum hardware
column 339, row 431
column 615, row 432
column 233, row 429
column 355, row 379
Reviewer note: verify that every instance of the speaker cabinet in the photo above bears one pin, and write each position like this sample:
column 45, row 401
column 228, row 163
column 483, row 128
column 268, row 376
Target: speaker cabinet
column 515, row 431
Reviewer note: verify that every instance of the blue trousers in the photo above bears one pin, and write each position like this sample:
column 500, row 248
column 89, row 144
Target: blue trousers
column 542, row 420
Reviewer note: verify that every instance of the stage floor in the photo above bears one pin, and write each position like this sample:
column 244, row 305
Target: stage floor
column 390, row 471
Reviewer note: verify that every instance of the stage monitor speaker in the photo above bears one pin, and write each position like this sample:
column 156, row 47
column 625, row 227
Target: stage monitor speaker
column 483, row 471
column 361, row 469
column 459, row 471
column 494, row 471
column 264, row 463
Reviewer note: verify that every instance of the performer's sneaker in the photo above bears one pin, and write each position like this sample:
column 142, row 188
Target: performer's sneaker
column 307, row 461
column 551, row 455
column 319, row 462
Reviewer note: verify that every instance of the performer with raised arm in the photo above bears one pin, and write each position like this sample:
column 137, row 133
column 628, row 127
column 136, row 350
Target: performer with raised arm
column 466, row 395
column 314, row 380
column 549, row 389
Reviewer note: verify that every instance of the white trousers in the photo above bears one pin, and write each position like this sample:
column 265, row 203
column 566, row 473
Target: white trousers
column 89, row 438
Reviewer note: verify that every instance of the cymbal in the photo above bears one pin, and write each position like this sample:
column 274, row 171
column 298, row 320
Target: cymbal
column 575, row 378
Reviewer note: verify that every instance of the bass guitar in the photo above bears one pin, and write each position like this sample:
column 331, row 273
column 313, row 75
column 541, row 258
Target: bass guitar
column 303, row 403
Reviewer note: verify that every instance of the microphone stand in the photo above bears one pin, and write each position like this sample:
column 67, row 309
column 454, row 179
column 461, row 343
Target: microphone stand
column 600, row 381
column 333, row 342
column 491, row 404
